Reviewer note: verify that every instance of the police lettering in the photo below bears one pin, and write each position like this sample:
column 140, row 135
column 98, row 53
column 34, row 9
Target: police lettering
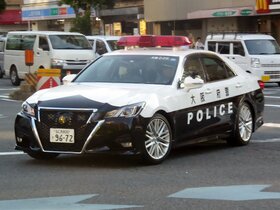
column 205, row 114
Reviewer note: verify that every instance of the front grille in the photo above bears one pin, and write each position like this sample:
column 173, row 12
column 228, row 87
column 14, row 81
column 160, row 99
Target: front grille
column 271, row 65
column 76, row 62
column 76, row 120
column 272, row 72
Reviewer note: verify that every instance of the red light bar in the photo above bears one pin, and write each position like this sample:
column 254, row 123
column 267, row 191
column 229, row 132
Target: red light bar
column 154, row 41
column 261, row 84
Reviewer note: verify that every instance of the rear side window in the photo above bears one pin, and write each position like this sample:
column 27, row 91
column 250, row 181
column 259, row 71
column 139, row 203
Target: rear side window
column 216, row 69
column 20, row 42
column 223, row 47
column 212, row 46
column 238, row 49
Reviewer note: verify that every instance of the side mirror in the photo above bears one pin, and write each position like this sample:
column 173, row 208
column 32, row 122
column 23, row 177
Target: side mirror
column 192, row 83
column 68, row 79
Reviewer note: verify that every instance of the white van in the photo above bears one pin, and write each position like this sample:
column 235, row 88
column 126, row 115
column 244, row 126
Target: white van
column 258, row 54
column 104, row 44
column 67, row 51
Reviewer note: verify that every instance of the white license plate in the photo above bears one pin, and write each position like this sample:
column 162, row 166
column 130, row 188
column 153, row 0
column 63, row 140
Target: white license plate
column 60, row 135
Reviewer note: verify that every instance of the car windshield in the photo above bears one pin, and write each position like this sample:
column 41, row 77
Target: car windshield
column 75, row 42
column 142, row 69
column 113, row 45
column 262, row 47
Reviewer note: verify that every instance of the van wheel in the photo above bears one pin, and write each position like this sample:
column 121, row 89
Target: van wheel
column 158, row 141
column 279, row 84
column 14, row 76
column 243, row 128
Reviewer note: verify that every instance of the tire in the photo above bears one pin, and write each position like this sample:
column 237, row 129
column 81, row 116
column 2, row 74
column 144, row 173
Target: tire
column 158, row 141
column 278, row 84
column 243, row 128
column 1, row 73
column 42, row 156
column 14, row 76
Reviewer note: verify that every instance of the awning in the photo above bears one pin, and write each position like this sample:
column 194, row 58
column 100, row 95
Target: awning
column 11, row 17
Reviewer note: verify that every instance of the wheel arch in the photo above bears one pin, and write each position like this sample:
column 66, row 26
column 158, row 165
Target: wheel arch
column 170, row 121
column 250, row 104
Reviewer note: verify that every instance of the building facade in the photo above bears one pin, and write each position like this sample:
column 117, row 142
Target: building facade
column 10, row 19
column 200, row 17
column 124, row 18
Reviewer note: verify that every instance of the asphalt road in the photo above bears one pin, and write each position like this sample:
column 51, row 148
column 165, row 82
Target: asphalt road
column 205, row 176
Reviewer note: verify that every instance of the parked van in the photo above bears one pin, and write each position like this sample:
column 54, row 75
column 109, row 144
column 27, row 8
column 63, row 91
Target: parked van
column 258, row 54
column 2, row 44
column 67, row 51
column 104, row 44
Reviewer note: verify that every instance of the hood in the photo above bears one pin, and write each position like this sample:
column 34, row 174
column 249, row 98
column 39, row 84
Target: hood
column 77, row 95
column 69, row 55
column 268, row 59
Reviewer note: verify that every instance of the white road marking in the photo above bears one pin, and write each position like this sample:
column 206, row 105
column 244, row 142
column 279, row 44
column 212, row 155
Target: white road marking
column 274, row 97
column 10, row 153
column 274, row 125
column 272, row 105
column 3, row 116
column 266, row 141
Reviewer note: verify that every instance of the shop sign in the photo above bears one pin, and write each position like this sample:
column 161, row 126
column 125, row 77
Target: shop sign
column 47, row 13
column 274, row 4
column 226, row 12
column 262, row 6
column 223, row 13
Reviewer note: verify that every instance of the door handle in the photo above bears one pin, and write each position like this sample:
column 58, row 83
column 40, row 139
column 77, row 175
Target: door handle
column 238, row 85
column 208, row 91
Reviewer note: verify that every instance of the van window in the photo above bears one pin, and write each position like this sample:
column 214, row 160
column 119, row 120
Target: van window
column 73, row 42
column 262, row 47
column 238, row 49
column 20, row 42
column 43, row 43
column 212, row 46
column 223, row 47
column 2, row 43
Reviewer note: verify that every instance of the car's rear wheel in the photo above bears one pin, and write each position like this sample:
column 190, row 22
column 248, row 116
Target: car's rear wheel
column 14, row 76
column 42, row 156
column 158, row 141
column 243, row 126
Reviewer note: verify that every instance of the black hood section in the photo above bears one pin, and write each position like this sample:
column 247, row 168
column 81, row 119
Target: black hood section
column 76, row 101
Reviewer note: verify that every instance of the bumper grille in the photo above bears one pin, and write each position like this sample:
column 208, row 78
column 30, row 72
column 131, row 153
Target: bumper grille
column 76, row 120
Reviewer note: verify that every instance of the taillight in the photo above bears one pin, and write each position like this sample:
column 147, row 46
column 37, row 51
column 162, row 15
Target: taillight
column 261, row 84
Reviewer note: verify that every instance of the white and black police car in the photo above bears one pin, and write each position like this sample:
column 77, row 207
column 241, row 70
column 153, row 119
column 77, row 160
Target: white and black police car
column 144, row 99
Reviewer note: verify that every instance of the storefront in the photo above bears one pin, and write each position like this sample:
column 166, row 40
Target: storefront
column 11, row 20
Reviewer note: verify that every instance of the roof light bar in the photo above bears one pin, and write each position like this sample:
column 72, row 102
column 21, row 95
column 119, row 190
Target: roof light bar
column 154, row 41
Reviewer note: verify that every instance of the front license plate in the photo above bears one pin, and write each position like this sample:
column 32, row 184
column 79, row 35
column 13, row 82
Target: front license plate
column 60, row 135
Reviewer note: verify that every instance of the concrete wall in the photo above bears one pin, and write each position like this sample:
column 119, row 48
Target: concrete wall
column 164, row 10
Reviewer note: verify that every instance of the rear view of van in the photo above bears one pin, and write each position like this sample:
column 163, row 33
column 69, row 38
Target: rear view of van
column 258, row 54
column 67, row 51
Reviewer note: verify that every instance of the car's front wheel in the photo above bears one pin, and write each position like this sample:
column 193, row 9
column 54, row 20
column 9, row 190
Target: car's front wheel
column 243, row 126
column 14, row 76
column 158, row 140
column 42, row 156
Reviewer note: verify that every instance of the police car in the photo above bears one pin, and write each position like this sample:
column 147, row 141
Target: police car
column 145, row 99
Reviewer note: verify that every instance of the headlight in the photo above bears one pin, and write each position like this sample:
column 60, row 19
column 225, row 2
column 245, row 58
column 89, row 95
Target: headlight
column 126, row 111
column 255, row 63
column 27, row 109
column 57, row 62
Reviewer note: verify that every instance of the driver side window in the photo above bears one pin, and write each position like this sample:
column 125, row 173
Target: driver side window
column 193, row 68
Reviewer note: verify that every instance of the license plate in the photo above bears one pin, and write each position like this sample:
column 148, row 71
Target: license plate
column 60, row 135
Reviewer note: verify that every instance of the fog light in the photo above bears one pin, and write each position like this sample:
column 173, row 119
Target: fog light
column 19, row 140
column 126, row 144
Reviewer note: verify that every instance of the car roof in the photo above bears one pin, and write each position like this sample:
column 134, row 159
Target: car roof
column 237, row 36
column 103, row 37
column 44, row 33
column 158, row 51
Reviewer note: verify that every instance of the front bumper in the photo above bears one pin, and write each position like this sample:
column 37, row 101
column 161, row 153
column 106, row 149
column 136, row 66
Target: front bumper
column 113, row 135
